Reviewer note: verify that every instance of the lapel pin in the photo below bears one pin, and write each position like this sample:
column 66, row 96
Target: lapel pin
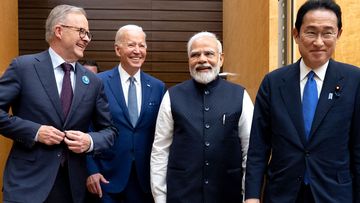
column 85, row 80
column 330, row 96
column 148, row 85
column 337, row 90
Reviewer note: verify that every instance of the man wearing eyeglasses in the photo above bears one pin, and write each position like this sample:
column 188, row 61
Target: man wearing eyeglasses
column 305, row 135
column 54, row 100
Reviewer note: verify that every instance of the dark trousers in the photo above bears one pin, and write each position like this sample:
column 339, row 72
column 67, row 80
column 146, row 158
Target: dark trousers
column 60, row 192
column 131, row 194
column 305, row 195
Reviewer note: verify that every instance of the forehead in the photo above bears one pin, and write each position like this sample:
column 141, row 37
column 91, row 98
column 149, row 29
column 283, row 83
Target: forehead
column 320, row 18
column 204, row 43
column 133, row 35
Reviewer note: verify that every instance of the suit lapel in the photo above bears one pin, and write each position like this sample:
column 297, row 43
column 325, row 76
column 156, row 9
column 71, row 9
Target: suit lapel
column 118, row 92
column 46, row 75
column 290, row 92
column 146, row 88
column 81, row 88
column 332, row 79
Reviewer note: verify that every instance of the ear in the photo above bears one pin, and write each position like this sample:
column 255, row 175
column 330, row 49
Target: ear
column 58, row 31
column 117, row 50
column 339, row 33
column 221, row 58
column 296, row 35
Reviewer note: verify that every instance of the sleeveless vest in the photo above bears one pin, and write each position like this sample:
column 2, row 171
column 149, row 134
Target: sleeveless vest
column 205, row 156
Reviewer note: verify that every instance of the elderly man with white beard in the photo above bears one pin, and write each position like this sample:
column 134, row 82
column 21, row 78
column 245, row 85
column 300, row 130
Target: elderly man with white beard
column 202, row 133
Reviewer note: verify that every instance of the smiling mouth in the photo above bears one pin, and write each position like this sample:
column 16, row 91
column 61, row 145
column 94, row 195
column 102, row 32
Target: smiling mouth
column 83, row 46
column 203, row 68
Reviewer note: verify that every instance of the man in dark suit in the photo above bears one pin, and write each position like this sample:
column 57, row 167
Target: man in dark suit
column 306, row 119
column 52, row 109
column 124, row 170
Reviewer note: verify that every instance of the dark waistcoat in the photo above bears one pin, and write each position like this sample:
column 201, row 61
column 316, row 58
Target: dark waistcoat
column 205, row 155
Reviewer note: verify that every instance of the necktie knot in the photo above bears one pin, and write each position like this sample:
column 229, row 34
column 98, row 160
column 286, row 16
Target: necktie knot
column 132, row 80
column 311, row 75
column 67, row 67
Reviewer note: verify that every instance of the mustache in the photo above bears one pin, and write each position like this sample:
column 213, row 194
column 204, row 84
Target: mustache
column 205, row 65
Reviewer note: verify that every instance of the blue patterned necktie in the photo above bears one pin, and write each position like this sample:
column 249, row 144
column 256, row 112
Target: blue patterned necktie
column 310, row 99
column 132, row 101
column 66, row 90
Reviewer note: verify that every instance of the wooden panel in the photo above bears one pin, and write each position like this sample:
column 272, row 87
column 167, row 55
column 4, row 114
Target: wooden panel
column 168, row 25
column 8, row 50
column 347, row 48
column 246, row 41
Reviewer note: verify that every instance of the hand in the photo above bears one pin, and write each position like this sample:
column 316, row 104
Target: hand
column 77, row 141
column 50, row 135
column 252, row 201
column 93, row 183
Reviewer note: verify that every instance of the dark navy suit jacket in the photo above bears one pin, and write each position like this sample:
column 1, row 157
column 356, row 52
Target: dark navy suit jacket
column 29, row 87
column 133, row 143
column 331, row 155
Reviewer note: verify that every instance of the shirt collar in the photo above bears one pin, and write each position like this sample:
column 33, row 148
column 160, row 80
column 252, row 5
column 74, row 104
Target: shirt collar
column 57, row 60
column 319, row 72
column 124, row 76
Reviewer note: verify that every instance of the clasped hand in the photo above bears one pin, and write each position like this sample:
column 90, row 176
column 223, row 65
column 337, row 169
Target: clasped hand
column 77, row 141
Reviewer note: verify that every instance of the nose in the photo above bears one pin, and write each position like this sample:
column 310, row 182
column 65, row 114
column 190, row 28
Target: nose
column 136, row 49
column 86, row 38
column 202, row 58
column 319, row 41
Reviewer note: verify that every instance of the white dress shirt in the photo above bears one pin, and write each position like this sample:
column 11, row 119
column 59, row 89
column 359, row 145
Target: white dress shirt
column 164, row 136
column 124, row 78
column 319, row 76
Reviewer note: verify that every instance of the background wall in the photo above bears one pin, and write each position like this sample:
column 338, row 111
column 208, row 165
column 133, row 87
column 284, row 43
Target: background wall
column 8, row 50
column 168, row 25
column 250, row 41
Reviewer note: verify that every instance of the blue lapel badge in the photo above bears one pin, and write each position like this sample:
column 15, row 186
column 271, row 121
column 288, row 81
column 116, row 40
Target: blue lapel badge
column 85, row 80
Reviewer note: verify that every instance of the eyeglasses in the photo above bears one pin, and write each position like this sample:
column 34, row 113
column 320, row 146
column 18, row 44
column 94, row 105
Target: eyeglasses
column 82, row 31
column 312, row 35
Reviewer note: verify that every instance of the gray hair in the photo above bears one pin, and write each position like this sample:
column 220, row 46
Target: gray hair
column 58, row 15
column 123, row 29
column 202, row 35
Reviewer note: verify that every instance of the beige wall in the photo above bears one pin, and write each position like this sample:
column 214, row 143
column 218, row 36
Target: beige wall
column 250, row 41
column 8, row 50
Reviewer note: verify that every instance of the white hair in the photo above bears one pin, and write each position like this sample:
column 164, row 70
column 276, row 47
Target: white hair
column 200, row 35
column 58, row 15
column 123, row 29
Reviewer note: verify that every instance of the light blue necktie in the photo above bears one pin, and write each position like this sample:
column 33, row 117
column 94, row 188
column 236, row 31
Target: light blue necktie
column 132, row 102
column 310, row 99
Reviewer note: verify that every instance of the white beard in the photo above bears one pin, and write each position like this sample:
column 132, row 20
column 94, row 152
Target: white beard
column 205, row 77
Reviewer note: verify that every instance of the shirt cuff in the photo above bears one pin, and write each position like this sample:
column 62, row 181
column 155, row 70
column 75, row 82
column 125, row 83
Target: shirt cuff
column 91, row 144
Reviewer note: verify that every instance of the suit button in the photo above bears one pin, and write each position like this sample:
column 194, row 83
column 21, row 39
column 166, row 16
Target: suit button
column 207, row 163
column 207, row 144
column 307, row 153
column 207, row 126
column 206, row 181
column 206, row 92
column 207, row 108
column 59, row 154
column 299, row 179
